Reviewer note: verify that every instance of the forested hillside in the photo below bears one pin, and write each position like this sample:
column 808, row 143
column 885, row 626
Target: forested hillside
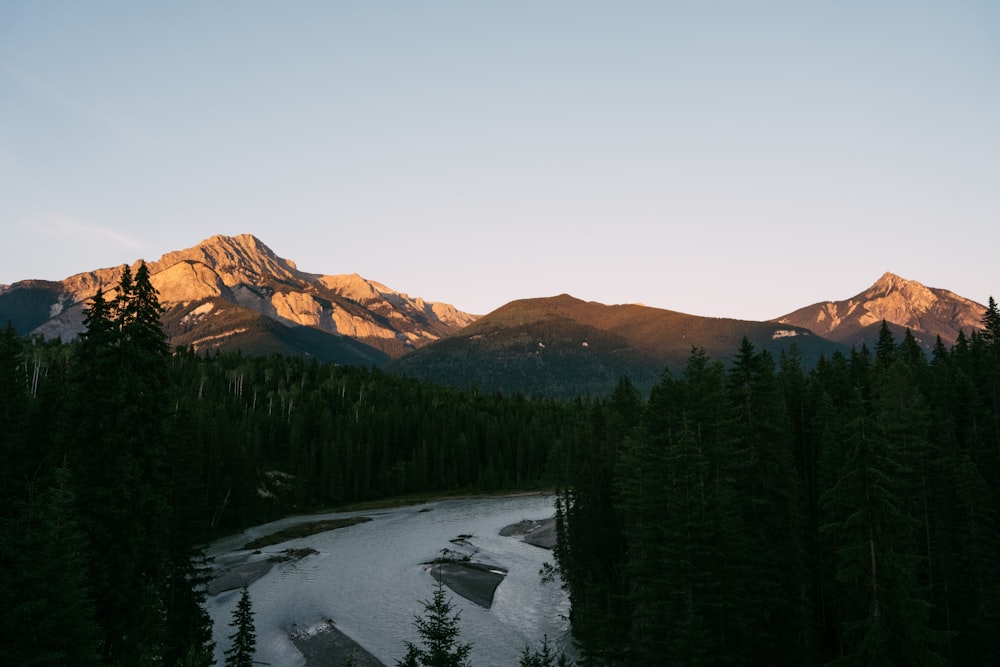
column 757, row 513
column 121, row 456
column 765, row 514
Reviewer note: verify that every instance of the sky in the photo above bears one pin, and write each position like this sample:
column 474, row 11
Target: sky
column 719, row 158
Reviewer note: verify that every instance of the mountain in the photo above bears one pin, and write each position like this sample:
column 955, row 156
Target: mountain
column 562, row 346
column 231, row 293
column 927, row 312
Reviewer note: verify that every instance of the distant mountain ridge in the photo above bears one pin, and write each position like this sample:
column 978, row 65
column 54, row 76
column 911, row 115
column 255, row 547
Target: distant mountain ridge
column 928, row 312
column 563, row 346
column 235, row 293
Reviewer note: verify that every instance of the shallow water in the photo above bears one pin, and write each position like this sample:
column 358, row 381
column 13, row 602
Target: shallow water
column 371, row 581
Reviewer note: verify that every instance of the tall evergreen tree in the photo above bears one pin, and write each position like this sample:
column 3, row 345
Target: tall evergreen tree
column 543, row 656
column 885, row 349
column 883, row 609
column 439, row 631
column 14, row 455
column 243, row 641
column 592, row 549
column 666, row 497
column 47, row 617
column 991, row 325
column 113, row 435
column 771, row 505
column 911, row 352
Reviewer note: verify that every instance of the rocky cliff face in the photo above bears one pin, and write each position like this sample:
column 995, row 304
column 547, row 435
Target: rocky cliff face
column 236, row 280
column 927, row 312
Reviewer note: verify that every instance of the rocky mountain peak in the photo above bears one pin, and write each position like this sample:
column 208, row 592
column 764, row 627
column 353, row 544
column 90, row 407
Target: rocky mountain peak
column 907, row 304
column 354, row 287
column 235, row 292
column 888, row 283
column 897, row 300
column 241, row 259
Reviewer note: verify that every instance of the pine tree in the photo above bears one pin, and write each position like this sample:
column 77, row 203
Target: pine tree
column 543, row 657
column 592, row 550
column 14, row 455
column 438, row 630
column 47, row 617
column 991, row 325
column 885, row 349
column 188, row 640
column 244, row 638
column 113, row 434
column 883, row 611
column 910, row 350
column 669, row 501
column 773, row 573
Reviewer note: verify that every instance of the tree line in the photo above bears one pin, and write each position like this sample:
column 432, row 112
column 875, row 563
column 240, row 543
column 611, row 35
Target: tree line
column 121, row 457
column 754, row 513
column 765, row 514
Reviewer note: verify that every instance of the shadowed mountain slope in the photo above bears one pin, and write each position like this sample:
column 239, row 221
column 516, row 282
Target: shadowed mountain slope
column 562, row 346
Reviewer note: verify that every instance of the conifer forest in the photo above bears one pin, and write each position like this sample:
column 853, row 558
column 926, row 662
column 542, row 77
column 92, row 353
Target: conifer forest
column 754, row 513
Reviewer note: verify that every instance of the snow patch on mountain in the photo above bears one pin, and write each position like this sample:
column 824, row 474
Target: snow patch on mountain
column 197, row 313
column 784, row 333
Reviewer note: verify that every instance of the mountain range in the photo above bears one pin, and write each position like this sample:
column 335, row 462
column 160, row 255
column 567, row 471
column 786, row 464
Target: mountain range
column 230, row 293
column 233, row 293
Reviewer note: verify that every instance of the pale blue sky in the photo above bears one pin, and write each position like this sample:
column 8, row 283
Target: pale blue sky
column 737, row 159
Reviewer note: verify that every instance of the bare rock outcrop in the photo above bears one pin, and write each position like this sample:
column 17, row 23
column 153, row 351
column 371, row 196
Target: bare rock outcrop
column 927, row 312
column 244, row 273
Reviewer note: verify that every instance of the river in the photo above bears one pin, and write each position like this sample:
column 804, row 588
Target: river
column 370, row 580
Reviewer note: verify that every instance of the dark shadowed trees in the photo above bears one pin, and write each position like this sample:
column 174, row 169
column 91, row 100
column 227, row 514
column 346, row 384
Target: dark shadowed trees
column 243, row 641
column 439, row 636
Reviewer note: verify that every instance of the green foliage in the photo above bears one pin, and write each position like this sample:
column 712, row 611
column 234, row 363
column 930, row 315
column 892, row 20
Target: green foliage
column 734, row 510
column 871, row 536
column 543, row 656
column 243, row 641
column 164, row 449
column 840, row 515
column 47, row 617
column 113, row 436
column 438, row 629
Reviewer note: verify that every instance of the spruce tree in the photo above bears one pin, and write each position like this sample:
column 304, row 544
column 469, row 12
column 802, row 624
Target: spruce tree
column 439, row 631
column 771, row 562
column 592, row 550
column 885, row 349
column 113, row 433
column 910, row 350
column 244, row 638
column 883, row 610
column 47, row 618
column 991, row 325
column 667, row 497
column 543, row 656
column 15, row 456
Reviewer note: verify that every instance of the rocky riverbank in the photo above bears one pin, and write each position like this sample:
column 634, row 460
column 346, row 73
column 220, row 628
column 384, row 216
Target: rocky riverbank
column 323, row 645
column 537, row 532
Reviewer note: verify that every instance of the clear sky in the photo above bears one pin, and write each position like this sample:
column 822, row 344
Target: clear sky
column 737, row 159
